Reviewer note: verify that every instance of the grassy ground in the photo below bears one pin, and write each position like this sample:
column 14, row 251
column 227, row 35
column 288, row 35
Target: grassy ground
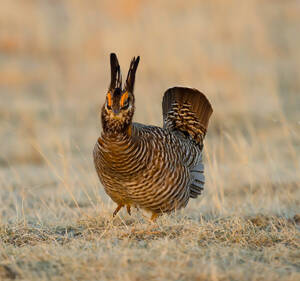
column 55, row 219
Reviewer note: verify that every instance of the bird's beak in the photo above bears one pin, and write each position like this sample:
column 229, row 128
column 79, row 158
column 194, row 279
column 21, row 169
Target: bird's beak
column 116, row 111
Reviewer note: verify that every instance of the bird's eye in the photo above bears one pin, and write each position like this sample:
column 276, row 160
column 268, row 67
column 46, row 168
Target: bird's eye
column 108, row 106
column 126, row 104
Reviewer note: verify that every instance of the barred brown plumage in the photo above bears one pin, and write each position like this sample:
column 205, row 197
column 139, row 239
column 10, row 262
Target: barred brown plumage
column 156, row 169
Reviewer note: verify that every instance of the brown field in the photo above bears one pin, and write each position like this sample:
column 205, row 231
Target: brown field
column 55, row 219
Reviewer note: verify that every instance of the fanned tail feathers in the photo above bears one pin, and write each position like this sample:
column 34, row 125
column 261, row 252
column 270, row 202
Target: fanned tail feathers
column 188, row 111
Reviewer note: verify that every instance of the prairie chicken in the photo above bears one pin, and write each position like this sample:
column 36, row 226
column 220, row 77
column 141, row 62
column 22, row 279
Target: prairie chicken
column 156, row 169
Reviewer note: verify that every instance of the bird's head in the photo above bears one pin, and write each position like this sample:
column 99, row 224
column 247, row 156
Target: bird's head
column 118, row 109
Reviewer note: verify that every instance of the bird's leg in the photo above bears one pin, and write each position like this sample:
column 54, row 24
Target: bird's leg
column 128, row 207
column 120, row 206
column 154, row 217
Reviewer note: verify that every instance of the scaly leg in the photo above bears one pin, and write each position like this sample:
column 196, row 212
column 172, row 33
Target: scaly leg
column 128, row 207
column 120, row 206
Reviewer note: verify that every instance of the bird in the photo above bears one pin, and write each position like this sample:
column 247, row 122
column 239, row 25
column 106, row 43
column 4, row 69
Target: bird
column 157, row 169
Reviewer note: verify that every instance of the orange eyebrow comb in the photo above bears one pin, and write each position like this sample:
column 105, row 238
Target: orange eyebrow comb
column 109, row 99
column 123, row 98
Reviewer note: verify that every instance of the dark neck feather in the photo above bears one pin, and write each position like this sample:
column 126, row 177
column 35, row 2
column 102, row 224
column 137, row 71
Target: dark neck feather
column 116, row 127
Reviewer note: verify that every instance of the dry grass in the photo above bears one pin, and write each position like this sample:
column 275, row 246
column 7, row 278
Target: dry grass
column 55, row 220
column 257, row 247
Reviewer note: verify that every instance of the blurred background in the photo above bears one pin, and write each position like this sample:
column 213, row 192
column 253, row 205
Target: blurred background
column 54, row 73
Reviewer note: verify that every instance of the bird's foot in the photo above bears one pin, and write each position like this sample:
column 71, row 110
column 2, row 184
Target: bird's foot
column 154, row 217
column 120, row 206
